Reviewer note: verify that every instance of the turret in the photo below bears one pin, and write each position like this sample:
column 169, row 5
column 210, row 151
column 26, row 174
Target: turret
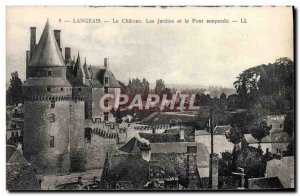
column 78, row 71
column 47, row 110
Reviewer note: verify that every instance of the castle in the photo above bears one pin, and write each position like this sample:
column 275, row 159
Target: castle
column 61, row 106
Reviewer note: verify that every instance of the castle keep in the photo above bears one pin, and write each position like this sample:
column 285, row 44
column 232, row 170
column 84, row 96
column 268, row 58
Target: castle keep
column 62, row 107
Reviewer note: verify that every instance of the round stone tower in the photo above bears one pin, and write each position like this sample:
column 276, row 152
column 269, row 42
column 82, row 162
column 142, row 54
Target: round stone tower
column 46, row 142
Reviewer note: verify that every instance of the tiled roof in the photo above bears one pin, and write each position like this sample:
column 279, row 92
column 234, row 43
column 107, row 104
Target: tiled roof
column 164, row 118
column 275, row 137
column 264, row 183
column 161, row 137
column 284, row 169
column 47, row 53
column 127, row 168
column 201, row 132
column 221, row 129
column 133, row 172
column 176, row 164
column 181, row 147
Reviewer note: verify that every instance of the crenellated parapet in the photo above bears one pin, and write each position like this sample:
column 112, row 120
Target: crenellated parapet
column 47, row 98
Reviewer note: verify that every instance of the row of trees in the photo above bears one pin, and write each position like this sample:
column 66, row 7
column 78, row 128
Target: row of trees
column 261, row 90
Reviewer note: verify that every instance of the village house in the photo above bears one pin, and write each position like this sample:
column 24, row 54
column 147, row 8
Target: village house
column 276, row 142
column 283, row 169
column 221, row 143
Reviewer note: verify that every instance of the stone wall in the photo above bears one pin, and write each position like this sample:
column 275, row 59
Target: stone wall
column 96, row 151
column 40, row 123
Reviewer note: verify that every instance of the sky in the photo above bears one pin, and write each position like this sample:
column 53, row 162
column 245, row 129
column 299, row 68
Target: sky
column 191, row 54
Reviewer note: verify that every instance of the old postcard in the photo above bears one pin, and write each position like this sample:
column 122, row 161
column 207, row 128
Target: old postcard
column 150, row 98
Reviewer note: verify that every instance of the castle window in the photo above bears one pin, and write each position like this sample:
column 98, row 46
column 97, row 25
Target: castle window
column 105, row 116
column 105, row 90
column 106, row 80
column 51, row 141
column 48, row 89
column 88, row 135
column 49, row 73
column 12, row 134
column 79, row 89
column 52, row 104
column 106, row 102
column 52, row 117
column 61, row 89
column 17, row 134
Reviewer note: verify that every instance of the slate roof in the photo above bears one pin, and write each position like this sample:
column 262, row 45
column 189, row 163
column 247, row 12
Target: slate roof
column 19, row 173
column 264, row 183
column 97, row 77
column 47, row 53
column 134, row 146
column 47, row 81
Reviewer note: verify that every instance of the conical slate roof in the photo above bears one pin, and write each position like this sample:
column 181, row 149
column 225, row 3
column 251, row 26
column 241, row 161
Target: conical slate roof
column 47, row 53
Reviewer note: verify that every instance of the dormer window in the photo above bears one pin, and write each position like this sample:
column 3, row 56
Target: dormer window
column 106, row 80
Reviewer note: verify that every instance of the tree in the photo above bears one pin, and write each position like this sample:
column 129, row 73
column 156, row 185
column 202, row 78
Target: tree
column 145, row 87
column 226, row 164
column 223, row 96
column 260, row 129
column 14, row 92
column 274, row 82
column 123, row 87
column 290, row 149
column 159, row 87
column 235, row 136
column 205, row 100
column 289, row 123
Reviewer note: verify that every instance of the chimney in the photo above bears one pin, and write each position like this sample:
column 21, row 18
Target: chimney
column 57, row 37
column 67, row 53
column 27, row 62
column 191, row 168
column 214, row 171
column 240, row 177
column 32, row 40
column 106, row 63
column 146, row 152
